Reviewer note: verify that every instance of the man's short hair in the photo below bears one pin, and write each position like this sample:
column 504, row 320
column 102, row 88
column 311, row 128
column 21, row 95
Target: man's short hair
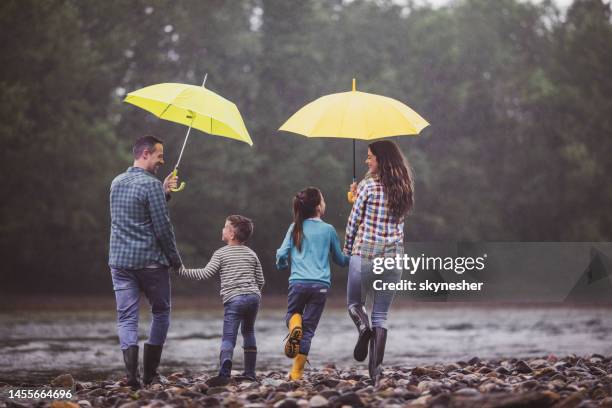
column 243, row 227
column 145, row 143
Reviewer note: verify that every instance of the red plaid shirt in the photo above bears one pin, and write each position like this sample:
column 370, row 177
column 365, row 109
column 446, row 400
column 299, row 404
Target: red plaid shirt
column 371, row 231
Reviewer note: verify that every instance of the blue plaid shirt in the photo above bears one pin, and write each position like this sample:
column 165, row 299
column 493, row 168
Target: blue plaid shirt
column 141, row 233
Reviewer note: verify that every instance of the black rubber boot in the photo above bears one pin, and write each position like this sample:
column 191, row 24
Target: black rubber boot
column 360, row 318
column 225, row 369
column 250, row 359
column 225, row 363
column 130, row 358
column 150, row 362
column 377, row 353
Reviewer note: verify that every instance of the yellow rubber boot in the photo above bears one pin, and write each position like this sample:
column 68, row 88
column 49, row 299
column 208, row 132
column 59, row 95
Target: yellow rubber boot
column 292, row 345
column 297, row 371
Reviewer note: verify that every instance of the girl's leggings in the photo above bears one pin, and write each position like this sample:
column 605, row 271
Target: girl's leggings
column 307, row 299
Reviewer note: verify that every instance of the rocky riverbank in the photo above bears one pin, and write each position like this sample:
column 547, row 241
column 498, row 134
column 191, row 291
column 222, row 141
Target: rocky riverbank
column 562, row 382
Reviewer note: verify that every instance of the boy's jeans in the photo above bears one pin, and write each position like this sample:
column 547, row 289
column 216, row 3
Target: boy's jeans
column 127, row 284
column 307, row 299
column 240, row 311
column 360, row 281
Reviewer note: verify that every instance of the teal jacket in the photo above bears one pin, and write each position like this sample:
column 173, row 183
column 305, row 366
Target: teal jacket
column 311, row 264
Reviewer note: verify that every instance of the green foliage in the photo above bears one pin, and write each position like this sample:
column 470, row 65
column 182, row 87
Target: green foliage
column 519, row 96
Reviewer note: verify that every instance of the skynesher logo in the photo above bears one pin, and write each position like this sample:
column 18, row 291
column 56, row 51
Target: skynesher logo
column 428, row 263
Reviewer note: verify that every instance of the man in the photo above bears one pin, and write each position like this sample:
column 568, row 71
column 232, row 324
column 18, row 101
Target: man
column 142, row 250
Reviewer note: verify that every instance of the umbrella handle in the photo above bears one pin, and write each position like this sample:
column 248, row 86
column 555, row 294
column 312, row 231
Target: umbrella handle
column 350, row 196
column 181, row 187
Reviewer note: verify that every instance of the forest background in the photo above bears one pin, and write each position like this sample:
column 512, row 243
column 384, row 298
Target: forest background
column 519, row 95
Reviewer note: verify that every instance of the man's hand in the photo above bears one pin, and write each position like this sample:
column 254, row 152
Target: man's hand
column 170, row 182
column 353, row 189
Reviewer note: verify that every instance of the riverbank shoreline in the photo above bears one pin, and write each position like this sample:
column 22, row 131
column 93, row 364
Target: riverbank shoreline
column 84, row 303
column 563, row 382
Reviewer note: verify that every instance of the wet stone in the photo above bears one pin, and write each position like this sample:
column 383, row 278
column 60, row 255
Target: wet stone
column 318, row 402
column 473, row 361
column 522, row 367
column 350, row 398
column 162, row 395
column 286, row 403
column 329, row 393
column 63, row 381
column 562, row 382
column 216, row 390
column 133, row 404
column 210, row 402
column 467, row 392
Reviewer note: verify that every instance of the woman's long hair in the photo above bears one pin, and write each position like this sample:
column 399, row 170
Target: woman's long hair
column 304, row 206
column 396, row 177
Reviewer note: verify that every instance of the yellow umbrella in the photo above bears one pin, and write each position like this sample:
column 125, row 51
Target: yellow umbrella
column 193, row 106
column 355, row 115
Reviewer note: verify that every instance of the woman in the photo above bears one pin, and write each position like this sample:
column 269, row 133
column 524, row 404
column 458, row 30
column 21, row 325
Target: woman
column 375, row 229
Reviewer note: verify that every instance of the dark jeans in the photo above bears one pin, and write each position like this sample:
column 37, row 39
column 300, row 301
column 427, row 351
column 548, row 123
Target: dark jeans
column 127, row 284
column 307, row 299
column 240, row 311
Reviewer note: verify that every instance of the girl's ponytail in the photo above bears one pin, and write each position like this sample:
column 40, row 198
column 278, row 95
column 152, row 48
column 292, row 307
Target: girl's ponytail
column 304, row 206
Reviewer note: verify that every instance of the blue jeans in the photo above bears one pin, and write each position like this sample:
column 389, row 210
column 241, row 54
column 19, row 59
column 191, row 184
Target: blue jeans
column 240, row 311
column 359, row 287
column 127, row 284
column 307, row 299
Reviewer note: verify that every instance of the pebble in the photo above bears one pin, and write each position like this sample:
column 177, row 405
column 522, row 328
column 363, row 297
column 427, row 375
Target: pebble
column 286, row 403
column 64, row 404
column 563, row 382
column 318, row 402
column 63, row 381
column 271, row 382
column 467, row 392
column 522, row 367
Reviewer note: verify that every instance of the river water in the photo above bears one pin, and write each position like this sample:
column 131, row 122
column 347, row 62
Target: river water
column 35, row 347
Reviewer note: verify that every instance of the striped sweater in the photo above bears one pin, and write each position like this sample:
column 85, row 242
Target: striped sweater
column 238, row 267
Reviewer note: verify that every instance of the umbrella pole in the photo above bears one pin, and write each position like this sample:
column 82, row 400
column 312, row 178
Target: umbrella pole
column 349, row 195
column 184, row 144
column 189, row 130
column 354, row 176
column 175, row 171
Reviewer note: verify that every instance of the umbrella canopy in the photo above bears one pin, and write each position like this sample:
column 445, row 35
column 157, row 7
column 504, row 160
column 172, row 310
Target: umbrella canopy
column 193, row 106
column 355, row 115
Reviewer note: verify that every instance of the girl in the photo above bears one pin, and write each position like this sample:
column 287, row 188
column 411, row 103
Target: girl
column 375, row 229
column 309, row 241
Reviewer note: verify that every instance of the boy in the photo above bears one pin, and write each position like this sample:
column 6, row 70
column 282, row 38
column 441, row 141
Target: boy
column 241, row 283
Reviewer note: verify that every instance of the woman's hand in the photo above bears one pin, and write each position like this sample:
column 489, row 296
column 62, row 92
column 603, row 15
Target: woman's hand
column 351, row 196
